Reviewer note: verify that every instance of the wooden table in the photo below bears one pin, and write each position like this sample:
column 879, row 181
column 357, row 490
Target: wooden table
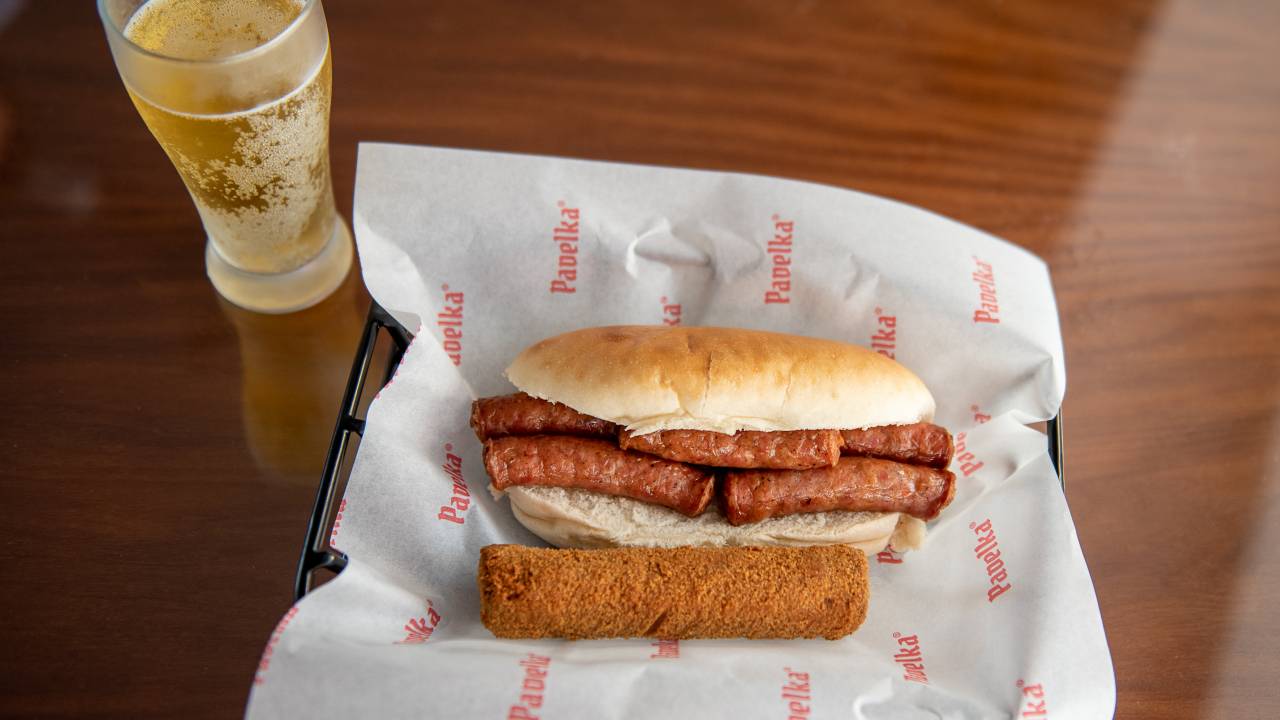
column 161, row 447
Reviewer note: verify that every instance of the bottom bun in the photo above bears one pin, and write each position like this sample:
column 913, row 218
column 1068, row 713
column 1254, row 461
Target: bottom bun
column 573, row 518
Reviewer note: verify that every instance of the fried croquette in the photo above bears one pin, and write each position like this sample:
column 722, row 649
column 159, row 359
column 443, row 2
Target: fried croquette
column 673, row 593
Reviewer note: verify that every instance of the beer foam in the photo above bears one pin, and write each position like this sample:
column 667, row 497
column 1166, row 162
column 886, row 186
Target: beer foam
column 209, row 29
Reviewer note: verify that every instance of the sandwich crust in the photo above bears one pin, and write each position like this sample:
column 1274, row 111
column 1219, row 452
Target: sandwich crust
column 650, row 378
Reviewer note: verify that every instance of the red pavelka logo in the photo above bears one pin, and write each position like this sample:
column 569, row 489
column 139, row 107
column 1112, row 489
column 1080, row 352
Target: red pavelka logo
column 418, row 630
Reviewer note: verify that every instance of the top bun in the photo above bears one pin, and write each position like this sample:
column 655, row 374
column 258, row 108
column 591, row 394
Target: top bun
column 652, row 378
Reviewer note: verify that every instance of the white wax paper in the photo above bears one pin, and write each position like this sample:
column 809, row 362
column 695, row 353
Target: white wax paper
column 954, row 630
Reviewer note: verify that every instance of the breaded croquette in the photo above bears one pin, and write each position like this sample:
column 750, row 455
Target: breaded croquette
column 675, row 593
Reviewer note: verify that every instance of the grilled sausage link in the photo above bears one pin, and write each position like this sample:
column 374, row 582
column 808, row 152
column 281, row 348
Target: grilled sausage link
column 790, row 450
column 521, row 414
column 864, row 484
column 598, row 465
column 917, row 444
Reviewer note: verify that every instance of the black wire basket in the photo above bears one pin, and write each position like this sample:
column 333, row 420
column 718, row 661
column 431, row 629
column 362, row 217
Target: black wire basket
column 317, row 555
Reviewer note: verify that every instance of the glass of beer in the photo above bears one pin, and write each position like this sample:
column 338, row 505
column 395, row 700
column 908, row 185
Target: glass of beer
column 237, row 92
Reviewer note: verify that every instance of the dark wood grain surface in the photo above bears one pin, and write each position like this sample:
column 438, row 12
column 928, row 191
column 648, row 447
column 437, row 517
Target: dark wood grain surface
column 160, row 447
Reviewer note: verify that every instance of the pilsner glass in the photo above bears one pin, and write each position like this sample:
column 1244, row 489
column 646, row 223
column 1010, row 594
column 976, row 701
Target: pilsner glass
column 237, row 92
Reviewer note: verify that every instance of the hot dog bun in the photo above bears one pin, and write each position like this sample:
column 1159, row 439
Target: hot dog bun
column 566, row 517
column 650, row 378
column 721, row 379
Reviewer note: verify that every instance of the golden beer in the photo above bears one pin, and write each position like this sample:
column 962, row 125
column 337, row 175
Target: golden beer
column 238, row 93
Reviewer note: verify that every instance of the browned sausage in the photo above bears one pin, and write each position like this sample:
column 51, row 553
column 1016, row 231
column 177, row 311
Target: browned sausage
column 918, row 444
column 791, row 450
column 521, row 414
column 855, row 483
column 598, row 465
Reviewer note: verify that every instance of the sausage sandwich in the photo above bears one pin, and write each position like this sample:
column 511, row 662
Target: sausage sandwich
column 664, row 437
